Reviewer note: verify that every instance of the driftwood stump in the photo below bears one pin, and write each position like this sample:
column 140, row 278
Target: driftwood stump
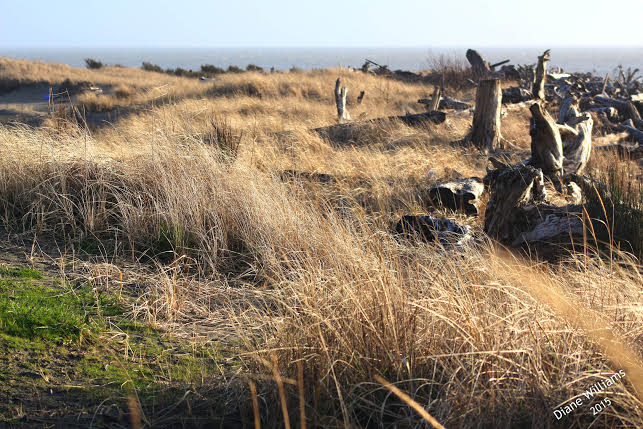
column 577, row 151
column 479, row 66
column 518, row 213
column 485, row 133
column 546, row 144
column 538, row 89
column 461, row 195
column 340, row 100
column 512, row 187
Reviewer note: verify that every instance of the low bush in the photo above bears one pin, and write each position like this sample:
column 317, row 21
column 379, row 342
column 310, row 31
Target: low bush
column 252, row 67
column 212, row 69
column 151, row 67
column 91, row 63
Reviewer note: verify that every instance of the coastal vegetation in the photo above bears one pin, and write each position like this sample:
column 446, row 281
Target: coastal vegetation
column 184, row 251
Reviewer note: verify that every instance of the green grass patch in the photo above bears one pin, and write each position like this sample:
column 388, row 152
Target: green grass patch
column 19, row 272
column 44, row 367
column 31, row 308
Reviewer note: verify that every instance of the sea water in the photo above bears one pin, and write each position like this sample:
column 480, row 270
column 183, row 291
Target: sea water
column 598, row 60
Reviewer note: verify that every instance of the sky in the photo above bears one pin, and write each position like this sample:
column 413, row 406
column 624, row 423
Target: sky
column 321, row 23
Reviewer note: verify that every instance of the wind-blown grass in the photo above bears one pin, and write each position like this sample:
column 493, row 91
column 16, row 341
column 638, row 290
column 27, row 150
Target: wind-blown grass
column 304, row 274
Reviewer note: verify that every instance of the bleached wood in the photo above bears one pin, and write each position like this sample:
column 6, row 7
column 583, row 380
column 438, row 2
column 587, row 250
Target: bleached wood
column 461, row 195
column 577, row 151
column 518, row 213
column 340, row 100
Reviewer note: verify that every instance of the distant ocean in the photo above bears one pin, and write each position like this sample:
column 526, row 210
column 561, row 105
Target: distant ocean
column 596, row 60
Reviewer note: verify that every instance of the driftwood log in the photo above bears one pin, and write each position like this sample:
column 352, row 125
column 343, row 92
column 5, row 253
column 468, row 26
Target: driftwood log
column 352, row 132
column 634, row 133
column 485, row 133
column 610, row 112
column 461, row 195
column 340, row 99
column 445, row 103
column 445, row 231
column 624, row 151
column 515, row 94
column 546, row 143
column 626, row 108
column 450, row 103
column 538, row 89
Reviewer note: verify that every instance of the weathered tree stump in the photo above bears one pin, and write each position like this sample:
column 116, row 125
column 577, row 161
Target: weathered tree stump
column 546, row 144
column 538, row 89
column 485, row 133
column 512, row 187
column 340, row 100
column 576, row 151
column 517, row 212
column 461, row 195
column 479, row 66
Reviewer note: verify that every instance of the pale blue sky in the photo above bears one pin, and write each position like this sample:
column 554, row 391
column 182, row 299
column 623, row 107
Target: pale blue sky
column 183, row 23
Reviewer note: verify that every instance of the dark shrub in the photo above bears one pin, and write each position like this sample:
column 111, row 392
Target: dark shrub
column 252, row 67
column 449, row 71
column 91, row 63
column 151, row 67
column 234, row 69
column 211, row 69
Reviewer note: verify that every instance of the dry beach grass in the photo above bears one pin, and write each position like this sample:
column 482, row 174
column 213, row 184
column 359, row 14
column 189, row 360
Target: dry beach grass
column 305, row 281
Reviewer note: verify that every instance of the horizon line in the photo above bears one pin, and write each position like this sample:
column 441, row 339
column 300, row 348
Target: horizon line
column 443, row 46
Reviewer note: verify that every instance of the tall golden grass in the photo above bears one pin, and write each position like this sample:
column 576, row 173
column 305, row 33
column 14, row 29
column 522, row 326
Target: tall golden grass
column 307, row 280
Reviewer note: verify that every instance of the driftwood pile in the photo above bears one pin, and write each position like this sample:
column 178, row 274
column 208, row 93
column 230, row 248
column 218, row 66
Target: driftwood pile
column 519, row 211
